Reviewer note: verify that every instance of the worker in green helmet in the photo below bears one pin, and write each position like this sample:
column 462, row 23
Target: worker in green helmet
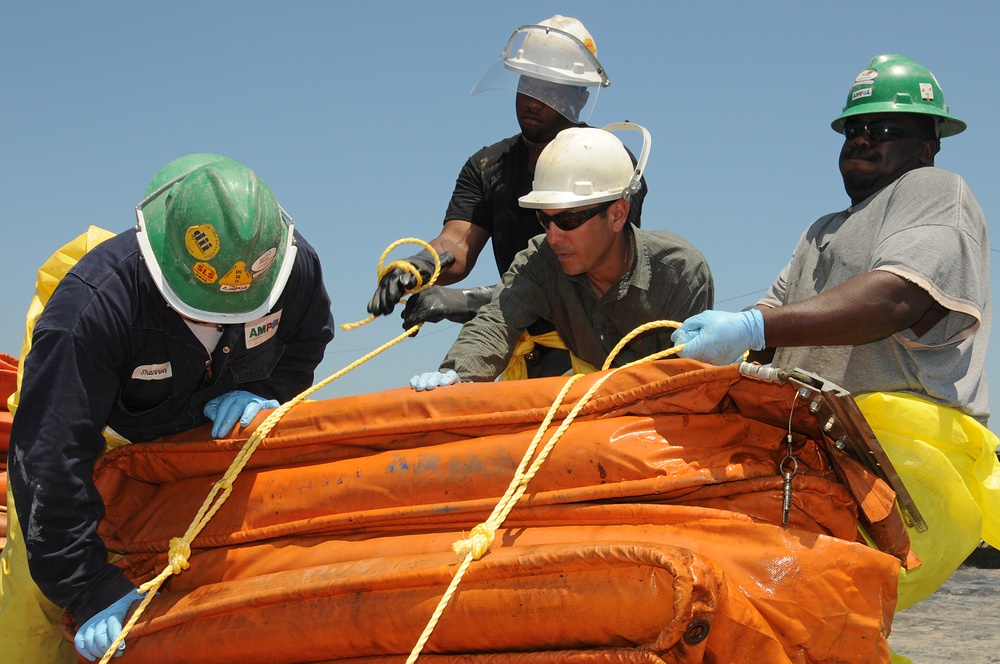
column 891, row 299
column 211, row 309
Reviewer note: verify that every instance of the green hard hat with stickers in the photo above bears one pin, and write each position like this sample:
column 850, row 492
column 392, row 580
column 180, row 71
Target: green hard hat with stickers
column 155, row 209
column 218, row 245
column 898, row 84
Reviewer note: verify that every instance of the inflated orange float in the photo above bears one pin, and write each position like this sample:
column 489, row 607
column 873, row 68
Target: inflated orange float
column 688, row 514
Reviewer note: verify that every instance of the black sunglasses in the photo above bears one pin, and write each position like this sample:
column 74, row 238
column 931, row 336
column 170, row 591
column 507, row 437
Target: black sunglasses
column 571, row 219
column 879, row 131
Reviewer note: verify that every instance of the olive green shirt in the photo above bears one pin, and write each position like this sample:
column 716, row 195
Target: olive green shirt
column 669, row 280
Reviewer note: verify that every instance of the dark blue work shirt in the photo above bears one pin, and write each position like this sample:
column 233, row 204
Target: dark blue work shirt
column 108, row 351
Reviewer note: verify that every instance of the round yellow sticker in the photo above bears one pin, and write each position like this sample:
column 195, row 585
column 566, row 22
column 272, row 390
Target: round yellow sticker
column 202, row 242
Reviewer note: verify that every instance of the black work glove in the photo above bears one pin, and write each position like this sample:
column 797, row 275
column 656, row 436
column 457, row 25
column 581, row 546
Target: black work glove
column 394, row 284
column 438, row 303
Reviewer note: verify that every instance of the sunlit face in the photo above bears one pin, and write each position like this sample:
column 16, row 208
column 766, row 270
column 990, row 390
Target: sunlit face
column 586, row 248
column 868, row 164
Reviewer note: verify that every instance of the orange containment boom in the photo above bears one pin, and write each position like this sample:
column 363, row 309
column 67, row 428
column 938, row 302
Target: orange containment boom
column 654, row 532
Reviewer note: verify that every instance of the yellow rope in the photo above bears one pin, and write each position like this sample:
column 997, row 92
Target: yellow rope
column 636, row 332
column 481, row 537
column 180, row 547
column 473, row 547
column 402, row 265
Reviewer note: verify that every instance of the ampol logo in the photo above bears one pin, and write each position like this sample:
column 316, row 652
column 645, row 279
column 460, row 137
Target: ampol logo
column 262, row 329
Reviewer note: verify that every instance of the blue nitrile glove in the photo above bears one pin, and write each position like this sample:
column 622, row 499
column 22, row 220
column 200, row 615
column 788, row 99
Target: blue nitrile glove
column 240, row 405
column 432, row 379
column 720, row 337
column 92, row 640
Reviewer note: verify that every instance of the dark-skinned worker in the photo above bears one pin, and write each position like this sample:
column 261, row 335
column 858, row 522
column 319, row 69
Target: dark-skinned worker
column 211, row 309
column 554, row 69
column 890, row 299
column 592, row 273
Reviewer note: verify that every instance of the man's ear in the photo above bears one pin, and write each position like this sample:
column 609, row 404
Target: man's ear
column 928, row 149
column 619, row 214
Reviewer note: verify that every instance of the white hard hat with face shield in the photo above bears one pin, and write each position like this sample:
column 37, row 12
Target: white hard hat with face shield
column 585, row 165
column 555, row 62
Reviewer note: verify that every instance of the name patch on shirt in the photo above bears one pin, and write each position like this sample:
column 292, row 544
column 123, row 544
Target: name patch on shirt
column 262, row 329
column 152, row 372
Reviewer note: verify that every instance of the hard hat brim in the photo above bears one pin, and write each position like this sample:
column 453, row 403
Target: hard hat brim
column 561, row 200
column 949, row 124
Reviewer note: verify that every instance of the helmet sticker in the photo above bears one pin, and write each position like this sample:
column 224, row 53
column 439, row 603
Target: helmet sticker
column 867, row 77
column 205, row 273
column 238, row 279
column 202, row 242
column 258, row 331
column 263, row 261
column 894, row 83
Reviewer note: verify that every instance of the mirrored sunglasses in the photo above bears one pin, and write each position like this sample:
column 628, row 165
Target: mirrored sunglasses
column 571, row 219
column 878, row 131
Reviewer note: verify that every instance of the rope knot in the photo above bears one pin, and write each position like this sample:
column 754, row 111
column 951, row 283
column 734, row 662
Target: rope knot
column 180, row 551
column 406, row 266
column 477, row 543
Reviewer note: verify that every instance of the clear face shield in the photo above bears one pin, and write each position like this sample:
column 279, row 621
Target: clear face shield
column 550, row 65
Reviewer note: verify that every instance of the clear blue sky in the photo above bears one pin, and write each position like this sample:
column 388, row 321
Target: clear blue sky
column 359, row 117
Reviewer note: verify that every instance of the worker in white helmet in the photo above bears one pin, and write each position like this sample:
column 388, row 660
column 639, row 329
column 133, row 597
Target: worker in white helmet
column 593, row 274
column 554, row 70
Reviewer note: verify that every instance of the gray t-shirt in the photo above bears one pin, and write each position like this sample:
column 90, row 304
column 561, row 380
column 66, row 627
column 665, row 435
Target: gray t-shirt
column 927, row 228
column 669, row 280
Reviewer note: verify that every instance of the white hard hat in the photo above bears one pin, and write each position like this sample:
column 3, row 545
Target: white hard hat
column 554, row 61
column 574, row 27
column 585, row 165
column 558, row 50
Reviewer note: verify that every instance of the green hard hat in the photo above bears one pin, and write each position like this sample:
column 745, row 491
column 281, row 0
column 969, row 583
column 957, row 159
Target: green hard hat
column 155, row 209
column 222, row 249
column 898, row 84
